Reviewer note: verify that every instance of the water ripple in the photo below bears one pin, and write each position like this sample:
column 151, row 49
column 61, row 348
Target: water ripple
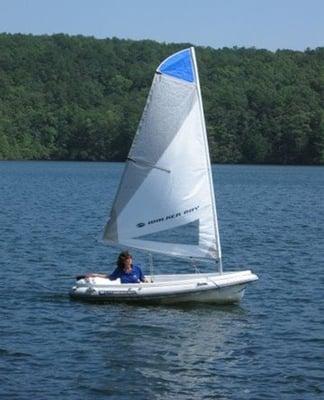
column 270, row 347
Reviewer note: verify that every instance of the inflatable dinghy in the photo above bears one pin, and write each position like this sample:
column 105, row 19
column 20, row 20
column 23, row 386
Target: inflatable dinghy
column 215, row 288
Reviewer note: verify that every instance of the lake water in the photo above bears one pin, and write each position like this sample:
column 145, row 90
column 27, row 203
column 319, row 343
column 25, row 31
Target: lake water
column 271, row 346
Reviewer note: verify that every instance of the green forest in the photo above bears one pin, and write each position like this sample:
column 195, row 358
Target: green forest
column 80, row 98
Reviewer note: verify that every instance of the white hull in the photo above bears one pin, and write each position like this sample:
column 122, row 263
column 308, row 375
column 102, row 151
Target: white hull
column 167, row 289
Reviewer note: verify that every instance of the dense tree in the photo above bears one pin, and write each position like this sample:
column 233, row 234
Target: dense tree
column 80, row 98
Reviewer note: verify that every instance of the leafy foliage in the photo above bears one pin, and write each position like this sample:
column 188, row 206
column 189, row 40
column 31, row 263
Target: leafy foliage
column 80, row 98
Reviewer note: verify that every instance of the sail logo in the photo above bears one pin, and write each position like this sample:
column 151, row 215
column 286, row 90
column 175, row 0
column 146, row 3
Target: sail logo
column 169, row 217
column 140, row 225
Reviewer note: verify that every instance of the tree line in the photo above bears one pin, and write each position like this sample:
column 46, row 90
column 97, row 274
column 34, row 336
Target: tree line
column 80, row 98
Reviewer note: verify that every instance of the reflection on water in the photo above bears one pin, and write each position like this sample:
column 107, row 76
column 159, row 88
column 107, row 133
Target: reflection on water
column 171, row 349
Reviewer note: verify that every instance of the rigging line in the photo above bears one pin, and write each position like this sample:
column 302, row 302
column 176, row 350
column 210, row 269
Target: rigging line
column 46, row 287
column 148, row 164
column 217, row 286
column 151, row 266
column 194, row 265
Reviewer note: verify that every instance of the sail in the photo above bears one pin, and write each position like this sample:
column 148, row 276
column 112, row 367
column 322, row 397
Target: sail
column 167, row 181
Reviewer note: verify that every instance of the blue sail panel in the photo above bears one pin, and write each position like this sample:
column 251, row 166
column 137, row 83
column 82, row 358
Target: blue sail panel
column 179, row 65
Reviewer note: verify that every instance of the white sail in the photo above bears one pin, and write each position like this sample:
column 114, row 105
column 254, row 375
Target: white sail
column 167, row 181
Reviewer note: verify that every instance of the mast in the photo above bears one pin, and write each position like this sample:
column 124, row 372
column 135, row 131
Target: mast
column 210, row 176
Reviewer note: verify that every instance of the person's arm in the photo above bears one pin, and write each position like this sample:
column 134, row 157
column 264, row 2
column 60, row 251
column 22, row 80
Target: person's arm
column 115, row 275
column 94, row 275
column 142, row 276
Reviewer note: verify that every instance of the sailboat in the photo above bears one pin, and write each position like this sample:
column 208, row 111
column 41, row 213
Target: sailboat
column 167, row 187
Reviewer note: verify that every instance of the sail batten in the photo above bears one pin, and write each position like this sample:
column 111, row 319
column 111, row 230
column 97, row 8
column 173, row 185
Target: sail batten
column 143, row 162
column 171, row 138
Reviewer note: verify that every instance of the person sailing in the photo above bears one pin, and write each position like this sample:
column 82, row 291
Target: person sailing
column 126, row 271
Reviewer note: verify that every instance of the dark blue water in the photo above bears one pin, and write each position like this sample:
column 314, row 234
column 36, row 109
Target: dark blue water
column 269, row 347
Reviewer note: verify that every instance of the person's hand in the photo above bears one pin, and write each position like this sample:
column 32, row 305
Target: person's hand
column 96, row 275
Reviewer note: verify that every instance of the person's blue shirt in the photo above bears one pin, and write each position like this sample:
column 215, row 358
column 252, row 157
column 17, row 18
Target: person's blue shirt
column 134, row 276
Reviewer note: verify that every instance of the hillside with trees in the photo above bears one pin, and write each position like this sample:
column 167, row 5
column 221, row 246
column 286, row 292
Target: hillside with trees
column 80, row 98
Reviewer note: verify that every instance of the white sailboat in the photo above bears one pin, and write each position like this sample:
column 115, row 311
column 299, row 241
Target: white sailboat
column 166, row 186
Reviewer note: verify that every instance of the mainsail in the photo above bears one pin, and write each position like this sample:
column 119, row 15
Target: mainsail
column 167, row 180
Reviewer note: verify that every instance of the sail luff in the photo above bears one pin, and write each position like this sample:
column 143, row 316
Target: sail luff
column 210, row 176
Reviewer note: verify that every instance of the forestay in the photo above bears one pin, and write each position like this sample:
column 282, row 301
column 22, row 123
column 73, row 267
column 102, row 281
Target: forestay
column 167, row 181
